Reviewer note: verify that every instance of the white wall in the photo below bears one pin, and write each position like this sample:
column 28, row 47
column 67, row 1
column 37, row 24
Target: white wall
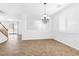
column 34, row 29
column 70, row 34
column 3, row 38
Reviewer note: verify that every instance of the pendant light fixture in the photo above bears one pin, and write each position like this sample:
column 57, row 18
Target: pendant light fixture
column 45, row 17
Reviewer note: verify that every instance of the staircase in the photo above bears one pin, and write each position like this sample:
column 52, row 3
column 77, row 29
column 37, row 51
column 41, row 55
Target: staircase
column 3, row 33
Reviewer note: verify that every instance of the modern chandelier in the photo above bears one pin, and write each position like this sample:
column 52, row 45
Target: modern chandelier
column 45, row 17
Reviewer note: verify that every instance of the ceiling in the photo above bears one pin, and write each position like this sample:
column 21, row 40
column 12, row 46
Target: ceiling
column 32, row 10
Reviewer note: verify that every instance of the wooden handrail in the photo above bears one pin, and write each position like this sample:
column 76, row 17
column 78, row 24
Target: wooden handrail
column 4, row 26
column 4, row 31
